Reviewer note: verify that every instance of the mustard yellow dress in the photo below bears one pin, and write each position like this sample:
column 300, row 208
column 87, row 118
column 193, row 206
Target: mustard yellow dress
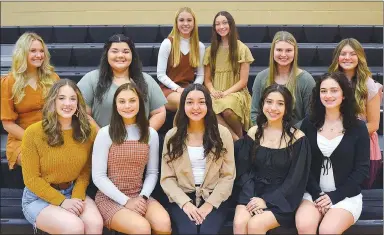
column 239, row 102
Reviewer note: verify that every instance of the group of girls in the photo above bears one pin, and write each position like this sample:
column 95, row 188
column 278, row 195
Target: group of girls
column 306, row 175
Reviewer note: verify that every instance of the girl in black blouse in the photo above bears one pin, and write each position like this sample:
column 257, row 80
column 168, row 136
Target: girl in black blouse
column 272, row 164
column 340, row 159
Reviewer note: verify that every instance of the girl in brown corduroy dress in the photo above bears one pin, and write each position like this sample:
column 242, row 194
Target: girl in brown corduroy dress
column 121, row 152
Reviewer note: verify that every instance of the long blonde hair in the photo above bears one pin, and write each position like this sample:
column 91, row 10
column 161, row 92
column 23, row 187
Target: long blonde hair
column 194, row 55
column 51, row 125
column 362, row 71
column 20, row 65
column 291, row 84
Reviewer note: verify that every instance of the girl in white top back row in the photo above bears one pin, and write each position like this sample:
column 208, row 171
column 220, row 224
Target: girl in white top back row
column 121, row 152
column 180, row 57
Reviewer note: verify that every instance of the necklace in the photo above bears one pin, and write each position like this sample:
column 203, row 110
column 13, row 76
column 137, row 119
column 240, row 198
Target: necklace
column 332, row 128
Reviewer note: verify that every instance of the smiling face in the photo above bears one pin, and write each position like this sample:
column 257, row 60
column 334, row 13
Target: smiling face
column 222, row 26
column 331, row 94
column 119, row 56
column 36, row 54
column 274, row 107
column 284, row 53
column 127, row 104
column 185, row 24
column 348, row 59
column 195, row 106
column 66, row 102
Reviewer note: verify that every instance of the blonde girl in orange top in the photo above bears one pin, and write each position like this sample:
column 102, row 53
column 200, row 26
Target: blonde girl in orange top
column 23, row 91
column 57, row 166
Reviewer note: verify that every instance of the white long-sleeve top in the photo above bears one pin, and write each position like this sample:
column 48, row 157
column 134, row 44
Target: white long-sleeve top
column 162, row 62
column 101, row 148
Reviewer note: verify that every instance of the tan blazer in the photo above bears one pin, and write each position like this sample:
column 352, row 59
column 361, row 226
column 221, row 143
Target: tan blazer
column 177, row 177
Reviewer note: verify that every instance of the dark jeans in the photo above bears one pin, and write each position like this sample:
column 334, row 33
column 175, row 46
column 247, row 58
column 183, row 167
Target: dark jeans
column 211, row 225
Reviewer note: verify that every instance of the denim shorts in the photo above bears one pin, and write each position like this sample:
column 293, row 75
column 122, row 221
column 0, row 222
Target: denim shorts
column 32, row 205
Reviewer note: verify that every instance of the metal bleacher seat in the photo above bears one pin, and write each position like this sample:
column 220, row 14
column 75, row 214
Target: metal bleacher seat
column 9, row 34
column 86, row 54
column 252, row 33
column 377, row 36
column 322, row 33
column 324, row 56
column 147, row 55
column 101, row 33
column 374, row 55
column 60, row 54
column 142, row 33
column 361, row 33
column 205, row 33
column 164, row 31
column 307, row 56
column 296, row 30
column 70, row 33
column 46, row 32
column 260, row 53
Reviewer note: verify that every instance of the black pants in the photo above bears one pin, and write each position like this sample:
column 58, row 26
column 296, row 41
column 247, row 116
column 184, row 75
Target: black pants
column 211, row 225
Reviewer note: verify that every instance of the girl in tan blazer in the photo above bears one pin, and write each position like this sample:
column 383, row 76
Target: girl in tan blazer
column 198, row 167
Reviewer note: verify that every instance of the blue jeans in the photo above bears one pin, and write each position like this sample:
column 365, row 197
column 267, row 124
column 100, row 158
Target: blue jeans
column 32, row 205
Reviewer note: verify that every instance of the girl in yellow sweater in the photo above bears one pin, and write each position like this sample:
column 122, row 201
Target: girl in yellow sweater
column 56, row 169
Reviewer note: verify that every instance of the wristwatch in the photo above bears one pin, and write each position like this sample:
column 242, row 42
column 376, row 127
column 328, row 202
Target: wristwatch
column 145, row 197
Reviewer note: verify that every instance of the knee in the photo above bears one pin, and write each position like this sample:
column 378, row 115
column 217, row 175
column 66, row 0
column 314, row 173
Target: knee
column 306, row 225
column 95, row 224
column 142, row 227
column 327, row 229
column 162, row 225
column 73, row 227
column 240, row 223
column 255, row 226
column 227, row 113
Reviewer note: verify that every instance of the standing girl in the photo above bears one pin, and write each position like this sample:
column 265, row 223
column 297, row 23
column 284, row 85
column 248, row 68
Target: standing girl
column 198, row 167
column 227, row 63
column 180, row 56
column 56, row 166
column 122, row 151
column 340, row 159
column 23, row 91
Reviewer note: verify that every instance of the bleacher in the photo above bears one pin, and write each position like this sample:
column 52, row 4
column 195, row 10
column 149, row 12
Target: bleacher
column 76, row 50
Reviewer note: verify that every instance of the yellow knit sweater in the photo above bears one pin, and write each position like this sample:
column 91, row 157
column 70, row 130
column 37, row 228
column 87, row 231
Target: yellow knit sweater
column 43, row 165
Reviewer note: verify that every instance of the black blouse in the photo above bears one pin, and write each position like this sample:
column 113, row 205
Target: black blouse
column 350, row 161
column 274, row 175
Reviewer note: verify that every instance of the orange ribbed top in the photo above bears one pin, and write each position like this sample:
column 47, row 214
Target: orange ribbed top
column 44, row 165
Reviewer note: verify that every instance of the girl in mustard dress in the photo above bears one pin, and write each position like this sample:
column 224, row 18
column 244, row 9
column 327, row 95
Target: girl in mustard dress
column 227, row 62
column 23, row 91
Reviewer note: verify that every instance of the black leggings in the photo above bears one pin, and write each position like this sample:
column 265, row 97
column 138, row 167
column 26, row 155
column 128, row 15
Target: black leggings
column 211, row 225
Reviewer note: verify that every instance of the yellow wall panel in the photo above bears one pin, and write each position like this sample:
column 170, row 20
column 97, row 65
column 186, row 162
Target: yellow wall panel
column 158, row 12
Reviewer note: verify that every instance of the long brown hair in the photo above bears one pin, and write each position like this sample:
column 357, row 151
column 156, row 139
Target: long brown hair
column 117, row 130
column 233, row 55
column 52, row 127
column 211, row 139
